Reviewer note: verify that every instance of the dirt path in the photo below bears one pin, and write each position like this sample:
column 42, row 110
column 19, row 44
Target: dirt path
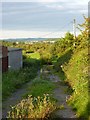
column 59, row 94
column 14, row 99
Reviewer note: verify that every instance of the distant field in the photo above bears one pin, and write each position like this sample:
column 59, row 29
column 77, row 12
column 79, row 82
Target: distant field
column 35, row 55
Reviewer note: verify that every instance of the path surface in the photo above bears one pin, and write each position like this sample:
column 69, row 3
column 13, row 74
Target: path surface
column 14, row 99
column 59, row 94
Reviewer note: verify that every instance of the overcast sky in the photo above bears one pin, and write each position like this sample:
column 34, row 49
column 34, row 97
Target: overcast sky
column 40, row 19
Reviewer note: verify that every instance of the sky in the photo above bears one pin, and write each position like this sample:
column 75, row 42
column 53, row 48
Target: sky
column 40, row 18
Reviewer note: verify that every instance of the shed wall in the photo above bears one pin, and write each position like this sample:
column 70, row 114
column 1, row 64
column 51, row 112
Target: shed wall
column 5, row 64
column 15, row 59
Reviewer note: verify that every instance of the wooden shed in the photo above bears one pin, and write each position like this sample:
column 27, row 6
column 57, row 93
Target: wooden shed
column 10, row 58
column 3, row 58
column 14, row 58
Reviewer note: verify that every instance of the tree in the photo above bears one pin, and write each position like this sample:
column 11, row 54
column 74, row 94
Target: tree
column 85, row 27
column 82, row 39
column 69, row 36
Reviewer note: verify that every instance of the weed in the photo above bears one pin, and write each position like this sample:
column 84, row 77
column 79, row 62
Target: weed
column 33, row 107
column 39, row 87
column 61, row 107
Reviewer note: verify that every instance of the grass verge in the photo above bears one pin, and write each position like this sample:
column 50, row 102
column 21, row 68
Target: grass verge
column 13, row 80
column 77, row 77
column 39, row 87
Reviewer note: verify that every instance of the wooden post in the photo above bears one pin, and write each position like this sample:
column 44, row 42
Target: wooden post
column 74, row 28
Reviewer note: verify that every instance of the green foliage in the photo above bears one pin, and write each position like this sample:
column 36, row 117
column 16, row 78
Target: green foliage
column 85, row 27
column 35, row 55
column 33, row 108
column 64, row 58
column 58, row 65
column 62, row 45
column 46, row 58
column 9, row 83
column 69, row 36
column 73, row 67
column 77, row 77
column 13, row 80
column 29, row 55
column 39, row 87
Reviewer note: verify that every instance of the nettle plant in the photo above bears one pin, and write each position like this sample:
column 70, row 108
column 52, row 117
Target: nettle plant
column 33, row 107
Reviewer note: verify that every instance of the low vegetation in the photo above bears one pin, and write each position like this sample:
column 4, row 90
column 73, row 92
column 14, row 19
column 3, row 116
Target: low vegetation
column 13, row 80
column 33, row 108
column 39, row 87
column 72, row 66
column 77, row 76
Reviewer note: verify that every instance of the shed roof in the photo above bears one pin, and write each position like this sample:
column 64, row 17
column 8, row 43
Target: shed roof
column 13, row 49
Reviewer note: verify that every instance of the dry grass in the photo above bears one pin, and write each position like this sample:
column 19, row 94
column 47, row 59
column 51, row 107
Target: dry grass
column 36, row 107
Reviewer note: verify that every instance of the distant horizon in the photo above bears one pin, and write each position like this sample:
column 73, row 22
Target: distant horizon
column 44, row 35
column 22, row 38
column 13, row 38
column 25, row 38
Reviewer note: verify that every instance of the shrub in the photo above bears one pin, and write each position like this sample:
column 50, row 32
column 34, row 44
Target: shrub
column 77, row 77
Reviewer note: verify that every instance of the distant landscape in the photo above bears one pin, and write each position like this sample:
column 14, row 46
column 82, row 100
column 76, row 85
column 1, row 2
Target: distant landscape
column 30, row 39
column 24, row 39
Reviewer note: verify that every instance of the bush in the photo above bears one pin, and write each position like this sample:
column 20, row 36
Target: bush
column 77, row 77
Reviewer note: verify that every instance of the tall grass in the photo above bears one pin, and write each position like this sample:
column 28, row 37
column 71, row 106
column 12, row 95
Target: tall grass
column 32, row 107
column 77, row 77
column 13, row 80
column 39, row 87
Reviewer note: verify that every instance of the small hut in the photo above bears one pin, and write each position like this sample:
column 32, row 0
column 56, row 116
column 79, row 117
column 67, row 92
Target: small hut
column 14, row 58
column 10, row 58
